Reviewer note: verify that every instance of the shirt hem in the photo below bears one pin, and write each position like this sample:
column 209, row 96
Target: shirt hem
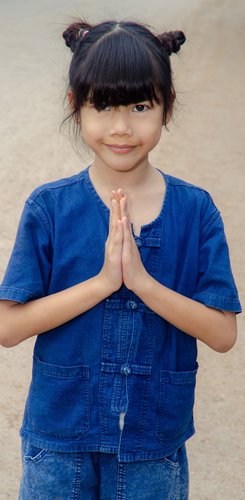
column 126, row 457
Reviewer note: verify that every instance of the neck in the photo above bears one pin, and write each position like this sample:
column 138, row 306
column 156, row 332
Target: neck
column 110, row 178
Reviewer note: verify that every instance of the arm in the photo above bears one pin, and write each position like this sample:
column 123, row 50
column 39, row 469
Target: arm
column 216, row 328
column 21, row 321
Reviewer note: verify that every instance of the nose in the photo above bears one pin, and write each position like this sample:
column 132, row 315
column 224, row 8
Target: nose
column 120, row 123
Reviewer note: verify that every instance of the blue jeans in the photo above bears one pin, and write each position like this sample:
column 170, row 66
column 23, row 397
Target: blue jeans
column 49, row 475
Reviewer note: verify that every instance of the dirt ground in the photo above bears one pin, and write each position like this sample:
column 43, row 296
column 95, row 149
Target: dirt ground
column 204, row 146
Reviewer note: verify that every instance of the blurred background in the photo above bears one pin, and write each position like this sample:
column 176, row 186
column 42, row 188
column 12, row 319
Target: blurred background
column 204, row 145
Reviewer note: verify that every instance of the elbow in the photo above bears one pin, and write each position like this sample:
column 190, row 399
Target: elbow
column 227, row 341
column 227, row 336
column 223, row 348
column 7, row 343
column 6, row 340
column 3, row 338
column 226, row 346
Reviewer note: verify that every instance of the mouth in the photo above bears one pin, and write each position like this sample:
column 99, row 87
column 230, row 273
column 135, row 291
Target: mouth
column 120, row 148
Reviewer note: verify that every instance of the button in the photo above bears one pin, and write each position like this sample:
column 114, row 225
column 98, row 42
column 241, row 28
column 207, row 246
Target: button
column 126, row 370
column 138, row 242
column 131, row 304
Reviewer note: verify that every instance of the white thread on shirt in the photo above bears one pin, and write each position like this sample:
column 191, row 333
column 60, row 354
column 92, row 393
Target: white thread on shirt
column 121, row 420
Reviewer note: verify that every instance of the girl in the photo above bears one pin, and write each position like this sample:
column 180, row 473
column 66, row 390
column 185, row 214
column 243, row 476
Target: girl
column 118, row 270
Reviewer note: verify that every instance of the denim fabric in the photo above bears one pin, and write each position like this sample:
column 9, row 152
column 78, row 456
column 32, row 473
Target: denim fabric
column 117, row 379
column 48, row 475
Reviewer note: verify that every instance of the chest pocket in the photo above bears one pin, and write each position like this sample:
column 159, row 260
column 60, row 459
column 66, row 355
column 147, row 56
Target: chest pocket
column 175, row 410
column 59, row 400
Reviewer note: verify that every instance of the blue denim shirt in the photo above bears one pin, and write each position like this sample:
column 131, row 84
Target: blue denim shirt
column 118, row 378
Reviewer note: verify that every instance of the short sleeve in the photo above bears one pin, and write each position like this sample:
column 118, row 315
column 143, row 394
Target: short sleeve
column 28, row 271
column 216, row 286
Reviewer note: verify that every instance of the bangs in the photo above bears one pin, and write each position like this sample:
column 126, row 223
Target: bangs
column 118, row 72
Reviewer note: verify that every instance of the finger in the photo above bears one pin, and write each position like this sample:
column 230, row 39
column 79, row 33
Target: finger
column 126, row 210
column 120, row 192
column 113, row 218
column 115, row 212
column 119, row 232
column 118, row 205
column 126, row 231
column 129, row 219
column 117, row 238
column 120, row 196
column 125, row 213
column 122, row 206
column 126, row 207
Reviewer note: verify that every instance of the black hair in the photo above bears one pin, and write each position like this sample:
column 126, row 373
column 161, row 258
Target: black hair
column 119, row 63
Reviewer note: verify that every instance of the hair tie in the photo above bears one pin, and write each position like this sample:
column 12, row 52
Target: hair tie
column 82, row 32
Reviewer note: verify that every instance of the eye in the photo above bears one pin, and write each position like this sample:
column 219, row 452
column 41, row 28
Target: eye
column 141, row 107
column 102, row 107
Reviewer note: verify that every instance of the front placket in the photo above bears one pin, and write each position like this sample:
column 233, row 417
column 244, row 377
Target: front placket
column 126, row 357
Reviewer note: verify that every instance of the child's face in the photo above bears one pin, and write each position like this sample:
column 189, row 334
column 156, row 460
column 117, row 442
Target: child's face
column 138, row 125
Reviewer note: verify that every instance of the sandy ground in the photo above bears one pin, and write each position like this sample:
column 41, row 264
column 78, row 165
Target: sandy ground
column 204, row 146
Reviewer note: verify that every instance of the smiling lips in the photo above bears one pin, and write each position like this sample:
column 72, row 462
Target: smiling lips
column 120, row 148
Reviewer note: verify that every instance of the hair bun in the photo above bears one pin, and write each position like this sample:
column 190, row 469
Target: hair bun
column 71, row 34
column 172, row 40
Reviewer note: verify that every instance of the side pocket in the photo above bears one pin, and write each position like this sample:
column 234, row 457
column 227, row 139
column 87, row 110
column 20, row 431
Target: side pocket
column 33, row 454
column 175, row 409
column 59, row 403
column 171, row 460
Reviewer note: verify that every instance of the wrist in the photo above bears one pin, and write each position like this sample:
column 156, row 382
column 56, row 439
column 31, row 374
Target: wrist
column 143, row 285
column 104, row 285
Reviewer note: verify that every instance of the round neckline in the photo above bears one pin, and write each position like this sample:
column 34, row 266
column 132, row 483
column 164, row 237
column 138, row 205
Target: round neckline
column 145, row 227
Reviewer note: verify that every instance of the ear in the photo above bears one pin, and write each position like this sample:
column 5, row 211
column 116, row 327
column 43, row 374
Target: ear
column 70, row 98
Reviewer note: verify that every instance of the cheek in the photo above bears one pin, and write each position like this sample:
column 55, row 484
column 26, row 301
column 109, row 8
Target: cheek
column 158, row 132
column 152, row 131
column 90, row 131
column 90, row 126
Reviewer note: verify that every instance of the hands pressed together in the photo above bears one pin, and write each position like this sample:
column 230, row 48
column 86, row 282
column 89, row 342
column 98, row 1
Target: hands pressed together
column 122, row 262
